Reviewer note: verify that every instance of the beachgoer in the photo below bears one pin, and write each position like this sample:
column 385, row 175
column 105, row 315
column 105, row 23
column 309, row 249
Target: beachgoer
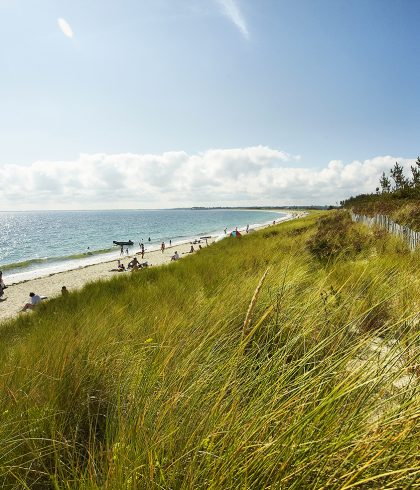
column 150, row 239
column 170, row 242
column 2, row 285
column 225, row 230
column 133, row 263
column 126, row 251
column 64, row 291
column 162, row 247
column 142, row 252
column 34, row 300
column 200, row 247
column 247, row 228
column 122, row 250
column 175, row 256
column 192, row 249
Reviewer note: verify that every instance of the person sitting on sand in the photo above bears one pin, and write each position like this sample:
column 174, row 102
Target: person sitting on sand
column 64, row 291
column 34, row 300
column 192, row 249
column 133, row 263
column 175, row 256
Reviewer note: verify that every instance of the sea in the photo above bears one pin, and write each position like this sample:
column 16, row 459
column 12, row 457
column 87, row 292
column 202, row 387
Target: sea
column 38, row 243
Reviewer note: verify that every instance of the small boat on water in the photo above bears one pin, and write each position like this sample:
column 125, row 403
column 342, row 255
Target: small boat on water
column 123, row 244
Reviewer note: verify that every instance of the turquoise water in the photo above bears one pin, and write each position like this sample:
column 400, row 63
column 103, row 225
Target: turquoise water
column 40, row 240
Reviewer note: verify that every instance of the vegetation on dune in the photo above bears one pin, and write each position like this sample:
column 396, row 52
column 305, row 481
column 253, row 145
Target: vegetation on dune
column 189, row 376
column 398, row 197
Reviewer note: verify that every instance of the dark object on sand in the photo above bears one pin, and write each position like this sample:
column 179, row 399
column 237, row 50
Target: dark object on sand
column 123, row 244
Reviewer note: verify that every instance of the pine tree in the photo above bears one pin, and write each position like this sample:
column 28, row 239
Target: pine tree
column 397, row 174
column 415, row 170
column 385, row 183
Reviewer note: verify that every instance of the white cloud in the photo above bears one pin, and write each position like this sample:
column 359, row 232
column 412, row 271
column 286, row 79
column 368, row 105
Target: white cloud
column 256, row 175
column 232, row 11
column 65, row 27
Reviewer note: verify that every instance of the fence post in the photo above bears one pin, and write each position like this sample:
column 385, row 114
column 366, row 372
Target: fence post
column 384, row 221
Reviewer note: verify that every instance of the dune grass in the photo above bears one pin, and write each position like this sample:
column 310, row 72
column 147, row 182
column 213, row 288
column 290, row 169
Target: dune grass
column 252, row 364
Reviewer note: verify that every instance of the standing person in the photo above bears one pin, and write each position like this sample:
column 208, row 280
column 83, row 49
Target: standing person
column 225, row 230
column 2, row 286
column 162, row 247
column 126, row 251
column 122, row 250
column 142, row 251
column 34, row 300
column 150, row 239
column 247, row 228
column 170, row 242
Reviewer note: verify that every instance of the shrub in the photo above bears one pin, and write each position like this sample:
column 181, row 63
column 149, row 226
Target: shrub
column 337, row 235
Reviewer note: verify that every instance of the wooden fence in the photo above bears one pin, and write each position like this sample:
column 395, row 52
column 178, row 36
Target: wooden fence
column 410, row 236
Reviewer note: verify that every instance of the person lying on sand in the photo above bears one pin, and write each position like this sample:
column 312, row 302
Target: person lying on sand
column 34, row 299
column 120, row 268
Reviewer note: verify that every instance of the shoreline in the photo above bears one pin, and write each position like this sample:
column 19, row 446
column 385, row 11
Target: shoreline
column 63, row 264
column 17, row 293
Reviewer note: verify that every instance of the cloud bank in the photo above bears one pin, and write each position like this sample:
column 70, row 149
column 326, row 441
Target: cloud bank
column 256, row 175
column 65, row 27
column 232, row 11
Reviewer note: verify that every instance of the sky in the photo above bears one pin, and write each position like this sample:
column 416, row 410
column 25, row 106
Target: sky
column 167, row 103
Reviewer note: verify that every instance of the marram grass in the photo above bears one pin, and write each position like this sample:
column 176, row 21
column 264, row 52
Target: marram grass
column 190, row 376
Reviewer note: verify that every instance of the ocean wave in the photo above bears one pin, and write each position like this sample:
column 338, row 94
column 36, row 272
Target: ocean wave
column 47, row 260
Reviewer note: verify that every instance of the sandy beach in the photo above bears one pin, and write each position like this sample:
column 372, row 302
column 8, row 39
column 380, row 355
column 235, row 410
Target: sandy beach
column 16, row 295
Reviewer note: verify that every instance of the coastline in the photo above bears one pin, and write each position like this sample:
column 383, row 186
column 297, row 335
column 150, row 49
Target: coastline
column 17, row 293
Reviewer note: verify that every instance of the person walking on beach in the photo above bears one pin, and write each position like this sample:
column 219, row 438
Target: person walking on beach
column 34, row 300
column 2, row 286
column 122, row 250
column 162, row 247
column 170, row 242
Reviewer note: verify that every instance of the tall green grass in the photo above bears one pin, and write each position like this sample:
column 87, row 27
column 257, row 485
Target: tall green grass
column 155, row 380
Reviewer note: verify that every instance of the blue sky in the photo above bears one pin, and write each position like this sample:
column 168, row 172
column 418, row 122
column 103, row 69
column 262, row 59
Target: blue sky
column 327, row 82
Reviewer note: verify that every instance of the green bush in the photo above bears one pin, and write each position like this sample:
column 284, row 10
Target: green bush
column 336, row 235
